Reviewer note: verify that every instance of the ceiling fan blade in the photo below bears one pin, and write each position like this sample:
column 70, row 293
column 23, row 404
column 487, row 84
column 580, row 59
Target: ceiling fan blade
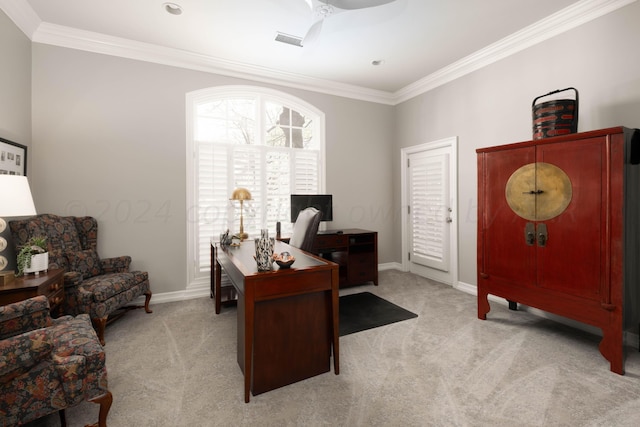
column 358, row 4
column 313, row 32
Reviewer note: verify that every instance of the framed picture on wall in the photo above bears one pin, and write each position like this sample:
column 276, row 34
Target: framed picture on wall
column 13, row 158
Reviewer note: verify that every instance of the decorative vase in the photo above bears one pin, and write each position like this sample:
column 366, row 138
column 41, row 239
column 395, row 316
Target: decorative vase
column 39, row 262
column 264, row 251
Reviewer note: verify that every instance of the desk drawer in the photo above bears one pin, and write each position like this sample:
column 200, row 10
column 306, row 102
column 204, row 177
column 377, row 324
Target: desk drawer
column 331, row 241
column 268, row 285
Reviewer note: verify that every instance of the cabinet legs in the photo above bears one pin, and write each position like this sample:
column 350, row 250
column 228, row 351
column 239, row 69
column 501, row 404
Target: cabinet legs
column 483, row 304
column 611, row 348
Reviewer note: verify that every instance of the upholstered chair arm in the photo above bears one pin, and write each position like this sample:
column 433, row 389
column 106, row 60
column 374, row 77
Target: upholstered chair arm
column 72, row 370
column 72, row 279
column 24, row 316
column 20, row 353
column 116, row 265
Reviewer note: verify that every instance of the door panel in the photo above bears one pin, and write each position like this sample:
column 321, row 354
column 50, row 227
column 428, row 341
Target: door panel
column 571, row 260
column 504, row 231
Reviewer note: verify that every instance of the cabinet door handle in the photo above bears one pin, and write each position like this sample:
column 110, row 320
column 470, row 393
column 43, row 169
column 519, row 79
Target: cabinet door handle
column 530, row 234
column 543, row 236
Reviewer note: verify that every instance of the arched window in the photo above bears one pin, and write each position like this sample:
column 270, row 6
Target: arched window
column 266, row 141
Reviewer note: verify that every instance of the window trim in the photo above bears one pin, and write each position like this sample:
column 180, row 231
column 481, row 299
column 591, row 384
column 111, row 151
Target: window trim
column 196, row 279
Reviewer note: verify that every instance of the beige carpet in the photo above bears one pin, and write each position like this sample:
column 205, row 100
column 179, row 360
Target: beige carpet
column 177, row 367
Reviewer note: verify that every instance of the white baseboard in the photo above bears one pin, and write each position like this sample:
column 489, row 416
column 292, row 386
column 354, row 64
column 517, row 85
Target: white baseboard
column 390, row 266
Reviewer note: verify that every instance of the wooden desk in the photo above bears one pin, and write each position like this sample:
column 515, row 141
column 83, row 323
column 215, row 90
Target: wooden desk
column 287, row 318
column 49, row 284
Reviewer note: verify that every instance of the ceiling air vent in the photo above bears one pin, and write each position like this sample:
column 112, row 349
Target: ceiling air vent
column 288, row 39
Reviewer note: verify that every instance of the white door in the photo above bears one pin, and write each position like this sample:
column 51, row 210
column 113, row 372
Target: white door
column 430, row 239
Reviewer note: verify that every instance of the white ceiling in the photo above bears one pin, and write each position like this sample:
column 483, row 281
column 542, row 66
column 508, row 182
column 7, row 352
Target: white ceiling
column 418, row 40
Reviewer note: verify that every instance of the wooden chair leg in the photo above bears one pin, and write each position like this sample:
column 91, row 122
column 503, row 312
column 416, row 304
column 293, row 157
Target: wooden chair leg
column 105, row 404
column 63, row 418
column 147, row 298
column 99, row 324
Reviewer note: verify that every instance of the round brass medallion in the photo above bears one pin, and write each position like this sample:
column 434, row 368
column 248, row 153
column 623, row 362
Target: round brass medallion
column 538, row 191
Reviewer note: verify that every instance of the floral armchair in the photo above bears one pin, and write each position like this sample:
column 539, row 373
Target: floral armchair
column 98, row 287
column 47, row 365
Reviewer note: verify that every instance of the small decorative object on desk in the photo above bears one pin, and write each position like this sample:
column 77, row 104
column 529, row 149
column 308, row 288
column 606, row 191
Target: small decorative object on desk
column 225, row 239
column 264, row 251
column 284, row 259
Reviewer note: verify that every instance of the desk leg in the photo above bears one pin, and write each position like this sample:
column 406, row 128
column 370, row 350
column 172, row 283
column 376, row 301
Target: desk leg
column 218, row 288
column 249, row 311
column 335, row 303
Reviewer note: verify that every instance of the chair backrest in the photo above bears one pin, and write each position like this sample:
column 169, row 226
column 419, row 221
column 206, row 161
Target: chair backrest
column 305, row 229
column 64, row 234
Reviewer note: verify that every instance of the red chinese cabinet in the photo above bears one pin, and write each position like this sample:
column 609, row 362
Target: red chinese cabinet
column 559, row 227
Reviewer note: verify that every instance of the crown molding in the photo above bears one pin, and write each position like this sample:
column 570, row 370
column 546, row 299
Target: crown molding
column 562, row 21
column 108, row 45
column 22, row 15
column 566, row 19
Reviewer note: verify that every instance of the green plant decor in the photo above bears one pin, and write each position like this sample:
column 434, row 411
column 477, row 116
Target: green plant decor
column 35, row 245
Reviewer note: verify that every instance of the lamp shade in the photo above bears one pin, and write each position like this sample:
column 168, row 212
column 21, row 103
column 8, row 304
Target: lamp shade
column 241, row 194
column 15, row 195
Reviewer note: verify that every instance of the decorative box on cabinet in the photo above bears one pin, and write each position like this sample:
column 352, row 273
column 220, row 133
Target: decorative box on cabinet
column 559, row 229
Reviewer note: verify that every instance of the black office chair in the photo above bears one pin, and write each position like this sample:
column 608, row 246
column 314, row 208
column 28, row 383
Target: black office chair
column 305, row 229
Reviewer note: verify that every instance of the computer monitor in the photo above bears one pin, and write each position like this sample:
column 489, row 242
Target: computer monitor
column 322, row 202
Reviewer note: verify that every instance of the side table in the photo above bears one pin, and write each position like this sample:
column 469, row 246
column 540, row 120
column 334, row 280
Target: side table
column 49, row 284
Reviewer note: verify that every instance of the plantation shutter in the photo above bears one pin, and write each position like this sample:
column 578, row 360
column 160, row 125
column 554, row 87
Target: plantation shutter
column 429, row 230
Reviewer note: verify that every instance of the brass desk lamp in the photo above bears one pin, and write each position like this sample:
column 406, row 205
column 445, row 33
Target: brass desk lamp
column 241, row 194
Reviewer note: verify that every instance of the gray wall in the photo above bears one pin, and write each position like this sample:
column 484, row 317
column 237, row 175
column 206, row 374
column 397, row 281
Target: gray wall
column 15, row 83
column 109, row 141
column 15, row 99
column 492, row 106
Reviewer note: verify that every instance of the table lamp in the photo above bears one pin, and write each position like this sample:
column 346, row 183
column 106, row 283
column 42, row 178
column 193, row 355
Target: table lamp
column 241, row 194
column 16, row 201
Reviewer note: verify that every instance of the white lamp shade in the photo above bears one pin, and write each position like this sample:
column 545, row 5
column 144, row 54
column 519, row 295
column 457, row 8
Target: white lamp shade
column 15, row 196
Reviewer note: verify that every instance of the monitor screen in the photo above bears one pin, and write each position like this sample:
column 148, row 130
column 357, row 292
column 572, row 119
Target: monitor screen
column 322, row 202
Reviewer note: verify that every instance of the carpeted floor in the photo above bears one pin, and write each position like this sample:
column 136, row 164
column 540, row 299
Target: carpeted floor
column 177, row 367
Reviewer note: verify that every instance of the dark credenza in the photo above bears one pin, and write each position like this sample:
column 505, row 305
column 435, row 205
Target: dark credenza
column 354, row 250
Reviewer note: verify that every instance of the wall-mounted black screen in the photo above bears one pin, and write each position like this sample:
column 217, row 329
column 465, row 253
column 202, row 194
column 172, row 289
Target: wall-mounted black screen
column 322, row 202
